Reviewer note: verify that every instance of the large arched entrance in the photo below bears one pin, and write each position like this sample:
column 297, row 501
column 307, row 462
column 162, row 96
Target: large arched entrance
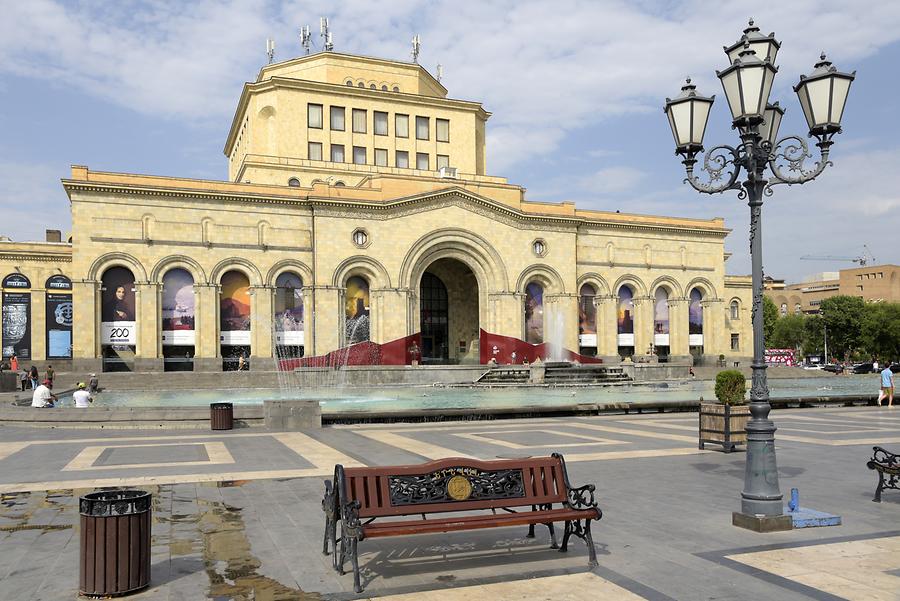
column 448, row 313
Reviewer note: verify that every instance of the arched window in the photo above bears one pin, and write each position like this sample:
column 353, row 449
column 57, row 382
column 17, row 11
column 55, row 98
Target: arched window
column 294, row 182
column 735, row 309
column 289, row 309
column 234, row 320
column 350, row 82
column 661, row 313
column 361, row 85
column 625, row 322
column 798, row 310
column 178, row 308
column 784, row 309
column 695, row 312
column 372, row 86
column 534, row 313
column 356, row 310
column 587, row 320
column 118, row 329
column 339, row 184
column 384, row 88
column 396, row 89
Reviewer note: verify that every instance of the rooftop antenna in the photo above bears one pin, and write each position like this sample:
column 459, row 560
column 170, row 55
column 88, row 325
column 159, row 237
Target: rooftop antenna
column 270, row 49
column 305, row 38
column 416, row 46
column 325, row 34
column 440, row 72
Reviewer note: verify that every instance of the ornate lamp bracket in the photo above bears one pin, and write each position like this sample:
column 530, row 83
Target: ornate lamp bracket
column 787, row 161
column 723, row 167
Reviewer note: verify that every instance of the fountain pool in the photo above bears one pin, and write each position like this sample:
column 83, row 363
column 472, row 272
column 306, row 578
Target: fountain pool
column 387, row 399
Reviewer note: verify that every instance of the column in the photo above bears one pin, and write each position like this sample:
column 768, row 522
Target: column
column 147, row 317
column 86, row 326
column 643, row 324
column 561, row 320
column 607, row 329
column 328, row 319
column 394, row 319
column 206, row 328
column 713, row 330
column 679, row 348
column 38, row 324
column 261, row 316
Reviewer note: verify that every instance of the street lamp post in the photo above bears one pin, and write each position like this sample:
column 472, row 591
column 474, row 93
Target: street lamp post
column 747, row 83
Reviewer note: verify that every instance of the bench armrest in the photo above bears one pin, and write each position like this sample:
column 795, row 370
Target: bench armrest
column 884, row 457
column 582, row 497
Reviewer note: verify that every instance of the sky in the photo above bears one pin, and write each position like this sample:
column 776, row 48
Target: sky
column 576, row 90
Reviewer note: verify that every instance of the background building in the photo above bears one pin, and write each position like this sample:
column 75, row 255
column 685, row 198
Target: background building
column 872, row 283
column 359, row 209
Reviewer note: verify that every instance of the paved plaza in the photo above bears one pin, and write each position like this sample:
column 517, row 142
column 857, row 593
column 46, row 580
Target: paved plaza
column 237, row 515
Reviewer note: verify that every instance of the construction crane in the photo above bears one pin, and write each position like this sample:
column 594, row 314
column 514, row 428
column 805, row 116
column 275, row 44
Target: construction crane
column 862, row 260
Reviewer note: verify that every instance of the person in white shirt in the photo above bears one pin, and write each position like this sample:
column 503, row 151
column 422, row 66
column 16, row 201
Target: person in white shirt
column 42, row 397
column 82, row 397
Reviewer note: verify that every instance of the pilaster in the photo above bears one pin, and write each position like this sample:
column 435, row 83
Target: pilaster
column 607, row 330
column 261, row 317
column 679, row 347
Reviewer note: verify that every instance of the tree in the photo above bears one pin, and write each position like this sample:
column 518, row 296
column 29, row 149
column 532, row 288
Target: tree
column 770, row 316
column 880, row 332
column 789, row 332
column 814, row 339
column 843, row 316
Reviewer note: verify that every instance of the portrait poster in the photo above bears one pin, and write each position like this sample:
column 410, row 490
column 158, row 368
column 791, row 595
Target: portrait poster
column 356, row 307
column 234, row 309
column 289, row 310
column 59, row 325
column 178, row 308
column 17, row 325
column 695, row 318
column 661, row 318
column 534, row 313
column 117, row 307
column 587, row 317
column 625, row 317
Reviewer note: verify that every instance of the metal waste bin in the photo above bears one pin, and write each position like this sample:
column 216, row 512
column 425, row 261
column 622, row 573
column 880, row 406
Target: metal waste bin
column 115, row 542
column 221, row 416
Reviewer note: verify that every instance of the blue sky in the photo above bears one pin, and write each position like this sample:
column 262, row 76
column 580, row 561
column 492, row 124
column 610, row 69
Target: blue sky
column 576, row 90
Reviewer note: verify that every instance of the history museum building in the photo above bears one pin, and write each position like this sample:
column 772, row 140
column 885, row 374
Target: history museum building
column 357, row 207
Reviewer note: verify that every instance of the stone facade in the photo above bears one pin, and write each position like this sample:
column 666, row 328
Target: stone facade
column 386, row 224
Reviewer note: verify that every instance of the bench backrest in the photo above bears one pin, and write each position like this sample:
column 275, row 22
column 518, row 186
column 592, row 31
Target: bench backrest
column 455, row 484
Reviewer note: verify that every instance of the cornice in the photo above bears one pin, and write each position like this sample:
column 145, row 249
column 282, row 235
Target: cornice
column 36, row 256
column 388, row 209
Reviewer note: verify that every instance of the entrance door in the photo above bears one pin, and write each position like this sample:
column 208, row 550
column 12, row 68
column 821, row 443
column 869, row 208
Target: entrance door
column 435, row 319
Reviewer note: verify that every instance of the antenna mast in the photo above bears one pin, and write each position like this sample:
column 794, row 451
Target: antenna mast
column 416, row 47
column 325, row 34
column 305, row 38
column 270, row 49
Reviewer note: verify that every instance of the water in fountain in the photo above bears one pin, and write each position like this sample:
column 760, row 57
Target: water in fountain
column 557, row 335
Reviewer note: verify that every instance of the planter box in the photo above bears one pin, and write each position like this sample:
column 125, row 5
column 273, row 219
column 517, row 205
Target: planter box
column 723, row 424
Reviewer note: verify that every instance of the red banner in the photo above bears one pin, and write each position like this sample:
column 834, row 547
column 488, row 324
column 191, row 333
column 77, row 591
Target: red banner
column 513, row 351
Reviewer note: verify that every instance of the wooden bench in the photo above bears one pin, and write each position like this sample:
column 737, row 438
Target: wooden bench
column 372, row 502
column 887, row 465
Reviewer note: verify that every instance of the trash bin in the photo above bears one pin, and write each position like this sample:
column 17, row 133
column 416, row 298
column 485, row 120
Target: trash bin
column 115, row 542
column 221, row 416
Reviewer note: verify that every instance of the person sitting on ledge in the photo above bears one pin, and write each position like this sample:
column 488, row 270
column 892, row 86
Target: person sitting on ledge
column 42, row 397
column 82, row 397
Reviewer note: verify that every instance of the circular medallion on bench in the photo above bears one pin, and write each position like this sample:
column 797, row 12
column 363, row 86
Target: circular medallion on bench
column 459, row 488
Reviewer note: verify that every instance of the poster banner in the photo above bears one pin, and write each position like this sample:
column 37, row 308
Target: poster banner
column 58, row 282
column 289, row 310
column 178, row 308
column 59, row 325
column 587, row 314
column 117, row 307
column 234, row 309
column 17, row 324
column 534, row 313
column 356, row 307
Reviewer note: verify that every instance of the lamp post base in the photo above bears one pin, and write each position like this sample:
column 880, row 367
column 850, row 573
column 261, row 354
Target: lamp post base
column 762, row 523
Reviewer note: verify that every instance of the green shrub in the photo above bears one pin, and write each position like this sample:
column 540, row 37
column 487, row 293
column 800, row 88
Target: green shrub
column 730, row 387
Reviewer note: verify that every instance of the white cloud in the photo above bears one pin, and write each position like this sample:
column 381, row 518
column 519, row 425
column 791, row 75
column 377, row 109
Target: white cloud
column 613, row 180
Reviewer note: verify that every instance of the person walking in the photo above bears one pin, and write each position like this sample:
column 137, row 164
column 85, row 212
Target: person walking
column 50, row 373
column 14, row 363
column 26, row 379
column 82, row 397
column 33, row 376
column 887, row 386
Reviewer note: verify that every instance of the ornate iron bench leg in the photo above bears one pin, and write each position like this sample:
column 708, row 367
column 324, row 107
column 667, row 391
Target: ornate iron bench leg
column 340, row 555
column 880, row 487
column 553, row 544
column 567, row 532
column 531, row 526
column 589, row 541
column 354, row 561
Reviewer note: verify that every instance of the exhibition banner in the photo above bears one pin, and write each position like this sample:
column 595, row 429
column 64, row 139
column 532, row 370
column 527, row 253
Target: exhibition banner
column 234, row 309
column 289, row 310
column 117, row 307
column 17, row 324
column 59, row 325
column 178, row 308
